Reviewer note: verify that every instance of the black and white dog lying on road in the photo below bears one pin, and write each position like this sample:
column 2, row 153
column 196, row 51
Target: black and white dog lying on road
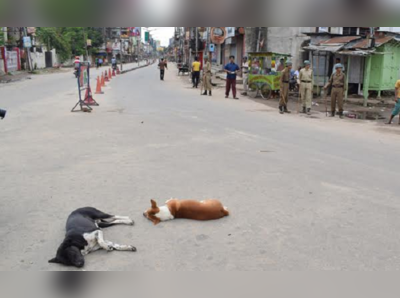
column 84, row 236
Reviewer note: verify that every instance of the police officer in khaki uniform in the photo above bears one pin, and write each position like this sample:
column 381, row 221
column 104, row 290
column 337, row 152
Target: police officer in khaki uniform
column 285, row 80
column 306, row 81
column 339, row 88
column 207, row 77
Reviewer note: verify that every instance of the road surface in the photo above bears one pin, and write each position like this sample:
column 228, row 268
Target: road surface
column 304, row 193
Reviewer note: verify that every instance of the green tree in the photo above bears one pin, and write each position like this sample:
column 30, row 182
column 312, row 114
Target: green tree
column 70, row 41
column 53, row 38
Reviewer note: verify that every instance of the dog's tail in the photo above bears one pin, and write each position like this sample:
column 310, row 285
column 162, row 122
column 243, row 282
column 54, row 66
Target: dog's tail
column 225, row 211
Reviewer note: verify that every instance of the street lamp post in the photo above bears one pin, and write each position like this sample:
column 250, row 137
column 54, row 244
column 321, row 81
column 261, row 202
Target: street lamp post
column 197, row 41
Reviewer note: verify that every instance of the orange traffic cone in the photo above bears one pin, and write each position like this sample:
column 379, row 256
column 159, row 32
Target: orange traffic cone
column 113, row 73
column 89, row 100
column 98, row 88
column 118, row 71
column 106, row 77
column 103, row 81
column 109, row 74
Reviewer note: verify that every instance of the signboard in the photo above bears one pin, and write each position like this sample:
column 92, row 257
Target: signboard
column 12, row 60
column 27, row 42
column 218, row 35
column 84, row 76
column 230, row 32
column 211, row 48
column 135, row 31
column 116, row 46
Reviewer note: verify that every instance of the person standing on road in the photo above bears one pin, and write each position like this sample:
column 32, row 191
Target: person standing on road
column 114, row 62
column 207, row 77
column 281, row 65
column 306, row 87
column 285, row 81
column 245, row 75
column 396, row 110
column 77, row 65
column 100, row 62
column 196, row 66
column 231, row 69
column 162, row 66
column 338, row 83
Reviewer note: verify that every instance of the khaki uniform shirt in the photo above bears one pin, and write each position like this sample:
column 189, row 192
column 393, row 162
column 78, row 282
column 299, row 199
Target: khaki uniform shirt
column 306, row 75
column 207, row 68
column 338, row 81
column 285, row 78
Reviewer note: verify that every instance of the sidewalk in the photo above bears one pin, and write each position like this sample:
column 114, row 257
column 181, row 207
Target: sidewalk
column 377, row 111
column 26, row 75
column 15, row 77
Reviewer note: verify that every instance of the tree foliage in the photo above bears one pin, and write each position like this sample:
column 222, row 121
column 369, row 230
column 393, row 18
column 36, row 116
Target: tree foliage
column 70, row 41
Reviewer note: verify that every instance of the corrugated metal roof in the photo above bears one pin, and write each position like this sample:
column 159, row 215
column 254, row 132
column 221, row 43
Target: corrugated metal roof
column 340, row 40
column 356, row 53
column 364, row 44
column 325, row 48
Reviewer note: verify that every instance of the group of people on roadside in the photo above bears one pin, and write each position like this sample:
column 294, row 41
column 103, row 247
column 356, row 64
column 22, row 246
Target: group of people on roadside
column 337, row 85
column 305, row 79
column 231, row 70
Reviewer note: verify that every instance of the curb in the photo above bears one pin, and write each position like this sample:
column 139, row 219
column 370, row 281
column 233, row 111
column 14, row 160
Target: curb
column 133, row 69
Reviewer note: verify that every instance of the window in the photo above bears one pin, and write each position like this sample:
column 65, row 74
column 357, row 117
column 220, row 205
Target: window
column 364, row 31
column 350, row 30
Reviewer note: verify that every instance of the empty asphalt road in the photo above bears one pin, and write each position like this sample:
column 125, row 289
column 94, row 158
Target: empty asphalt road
column 304, row 193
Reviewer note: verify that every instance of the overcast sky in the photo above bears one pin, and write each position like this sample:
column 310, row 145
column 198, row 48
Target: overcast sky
column 161, row 33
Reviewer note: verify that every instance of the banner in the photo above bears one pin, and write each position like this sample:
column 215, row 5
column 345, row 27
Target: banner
column 84, row 76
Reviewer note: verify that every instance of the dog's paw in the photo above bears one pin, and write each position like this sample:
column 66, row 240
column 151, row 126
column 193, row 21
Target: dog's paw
column 133, row 248
column 110, row 248
column 132, row 223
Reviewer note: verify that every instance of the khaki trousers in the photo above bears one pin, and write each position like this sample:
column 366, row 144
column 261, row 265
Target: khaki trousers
column 337, row 97
column 306, row 91
column 207, row 82
column 284, row 95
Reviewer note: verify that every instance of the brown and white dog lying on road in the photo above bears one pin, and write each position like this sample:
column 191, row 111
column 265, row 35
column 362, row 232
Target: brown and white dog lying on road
column 187, row 209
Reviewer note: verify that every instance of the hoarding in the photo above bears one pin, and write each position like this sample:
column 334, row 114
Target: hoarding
column 27, row 41
column 135, row 31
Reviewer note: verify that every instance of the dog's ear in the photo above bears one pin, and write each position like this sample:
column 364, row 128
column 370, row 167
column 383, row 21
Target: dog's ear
column 54, row 261
column 153, row 204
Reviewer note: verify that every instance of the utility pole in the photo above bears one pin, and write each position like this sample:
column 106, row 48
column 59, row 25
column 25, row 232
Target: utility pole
column 197, row 41
column 28, row 51
column 85, row 39
column 120, row 45
column 259, row 39
column 208, row 44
